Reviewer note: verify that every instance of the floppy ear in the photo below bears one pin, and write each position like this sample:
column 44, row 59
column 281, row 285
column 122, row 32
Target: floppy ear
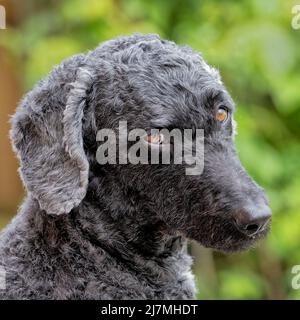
column 47, row 137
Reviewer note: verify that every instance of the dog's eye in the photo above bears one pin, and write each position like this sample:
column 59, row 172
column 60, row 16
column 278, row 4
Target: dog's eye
column 222, row 115
column 155, row 138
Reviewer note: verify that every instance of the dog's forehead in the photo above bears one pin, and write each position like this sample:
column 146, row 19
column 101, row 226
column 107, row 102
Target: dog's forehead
column 182, row 97
column 175, row 83
column 170, row 85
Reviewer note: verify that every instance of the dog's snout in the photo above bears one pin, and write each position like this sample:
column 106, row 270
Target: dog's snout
column 252, row 219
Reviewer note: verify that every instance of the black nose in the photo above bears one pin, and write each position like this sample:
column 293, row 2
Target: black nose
column 251, row 220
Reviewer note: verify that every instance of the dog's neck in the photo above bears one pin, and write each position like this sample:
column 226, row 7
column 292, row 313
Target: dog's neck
column 144, row 250
column 141, row 247
column 118, row 218
column 126, row 234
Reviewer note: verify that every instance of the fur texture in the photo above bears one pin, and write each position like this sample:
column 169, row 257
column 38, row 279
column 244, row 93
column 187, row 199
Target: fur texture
column 87, row 231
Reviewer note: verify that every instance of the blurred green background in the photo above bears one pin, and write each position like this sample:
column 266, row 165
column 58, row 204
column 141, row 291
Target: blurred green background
column 258, row 54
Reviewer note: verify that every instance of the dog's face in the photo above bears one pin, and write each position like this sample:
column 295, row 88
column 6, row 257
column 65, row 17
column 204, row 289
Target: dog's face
column 151, row 84
column 222, row 207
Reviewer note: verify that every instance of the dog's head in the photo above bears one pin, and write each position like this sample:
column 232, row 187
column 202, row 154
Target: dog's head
column 151, row 84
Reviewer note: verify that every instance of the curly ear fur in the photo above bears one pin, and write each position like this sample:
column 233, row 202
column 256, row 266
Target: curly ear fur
column 47, row 137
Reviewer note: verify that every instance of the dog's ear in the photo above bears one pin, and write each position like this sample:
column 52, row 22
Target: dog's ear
column 47, row 137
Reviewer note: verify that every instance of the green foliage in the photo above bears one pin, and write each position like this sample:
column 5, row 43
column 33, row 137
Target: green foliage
column 258, row 54
column 237, row 284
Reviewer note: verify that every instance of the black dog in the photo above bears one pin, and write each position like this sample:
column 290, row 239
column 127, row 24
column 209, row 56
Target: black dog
column 91, row 231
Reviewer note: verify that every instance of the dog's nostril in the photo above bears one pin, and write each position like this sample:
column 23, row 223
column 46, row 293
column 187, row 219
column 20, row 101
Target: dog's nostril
column 252, row 227
column 250, row 220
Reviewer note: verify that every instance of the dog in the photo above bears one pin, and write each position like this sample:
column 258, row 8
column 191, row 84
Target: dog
column 119, row 231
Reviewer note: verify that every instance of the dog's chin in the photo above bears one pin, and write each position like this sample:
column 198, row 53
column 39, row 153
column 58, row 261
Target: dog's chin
column 230, row 241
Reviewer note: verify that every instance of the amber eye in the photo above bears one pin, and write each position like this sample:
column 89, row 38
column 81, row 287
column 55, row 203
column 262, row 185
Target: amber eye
column 222, row 115
column 155, row 138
